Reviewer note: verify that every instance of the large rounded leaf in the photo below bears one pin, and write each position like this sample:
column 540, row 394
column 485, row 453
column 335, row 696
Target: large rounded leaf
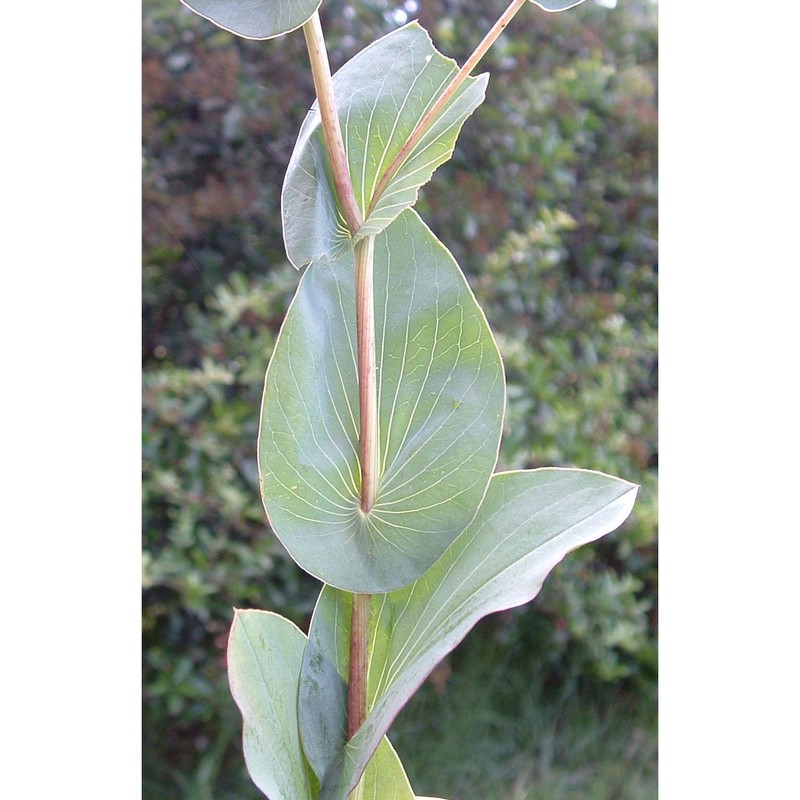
column 440, row 404
column 382, row 93
column 527, row 523
column 255, row 19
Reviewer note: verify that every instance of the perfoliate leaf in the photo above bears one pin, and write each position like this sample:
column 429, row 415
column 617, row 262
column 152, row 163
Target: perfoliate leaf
column 255, row 19
column 527, row 523
column 441, row 396
column 265, row 652
column 381, row 95
column 556, row 5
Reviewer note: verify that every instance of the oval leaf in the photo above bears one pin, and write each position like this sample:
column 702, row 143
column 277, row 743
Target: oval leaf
column 527, row 523
column 381, row 94
column 255, row 19
column 265, row 652
column 441, row 397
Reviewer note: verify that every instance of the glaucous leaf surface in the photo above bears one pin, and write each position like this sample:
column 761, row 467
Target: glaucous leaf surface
column 265, row 652
column 381, row 95
column 441, row 398
column 527, row 523
column 255, row 19
column 556, row 5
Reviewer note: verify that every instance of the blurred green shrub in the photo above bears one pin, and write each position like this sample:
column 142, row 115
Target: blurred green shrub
column 550, row 206
column 580, row 366
column 207, row 547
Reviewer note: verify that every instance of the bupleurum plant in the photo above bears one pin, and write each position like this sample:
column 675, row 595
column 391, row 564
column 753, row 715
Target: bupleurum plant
column 380, row 425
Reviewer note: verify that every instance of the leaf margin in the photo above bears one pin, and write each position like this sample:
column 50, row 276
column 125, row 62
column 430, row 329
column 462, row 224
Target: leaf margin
column 229, row 27
column 339, row 767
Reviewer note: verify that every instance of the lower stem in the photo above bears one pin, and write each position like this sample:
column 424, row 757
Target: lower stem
column 368, row 443
column 357, row 683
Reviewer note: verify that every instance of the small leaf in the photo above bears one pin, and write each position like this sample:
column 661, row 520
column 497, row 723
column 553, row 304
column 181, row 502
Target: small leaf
column 265, row 652
column 556, row 5
column 381, row 95
column 255, row 19
column 440, row 403
column 527, row 523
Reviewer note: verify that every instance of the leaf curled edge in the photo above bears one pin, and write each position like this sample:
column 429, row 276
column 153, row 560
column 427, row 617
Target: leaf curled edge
column 528, row 522
column 382, row 94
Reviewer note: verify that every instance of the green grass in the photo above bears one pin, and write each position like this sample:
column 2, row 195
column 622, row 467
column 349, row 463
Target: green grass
column 492, row 730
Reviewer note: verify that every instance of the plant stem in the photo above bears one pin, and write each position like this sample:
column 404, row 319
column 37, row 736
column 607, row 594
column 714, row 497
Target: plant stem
column 426, row 122
column 365, row 325
column 368, row 441
column 367, row 390
column 357, row 681
column 323, row 85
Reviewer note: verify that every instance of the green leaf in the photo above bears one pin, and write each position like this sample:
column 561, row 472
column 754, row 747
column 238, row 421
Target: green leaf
column 556, row 5
column 265, row 652
column 264, row 659
column 441, row 398
column 255, row 19
column 381, row 95
column 385, row 778
column 527, row 523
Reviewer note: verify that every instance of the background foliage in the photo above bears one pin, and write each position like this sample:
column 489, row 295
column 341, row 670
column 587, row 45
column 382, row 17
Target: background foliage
column 549, row 205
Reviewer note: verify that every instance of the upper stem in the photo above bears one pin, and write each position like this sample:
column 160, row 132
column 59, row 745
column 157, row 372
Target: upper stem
column 367, row 383
column 323, row 85
column 436, row 109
